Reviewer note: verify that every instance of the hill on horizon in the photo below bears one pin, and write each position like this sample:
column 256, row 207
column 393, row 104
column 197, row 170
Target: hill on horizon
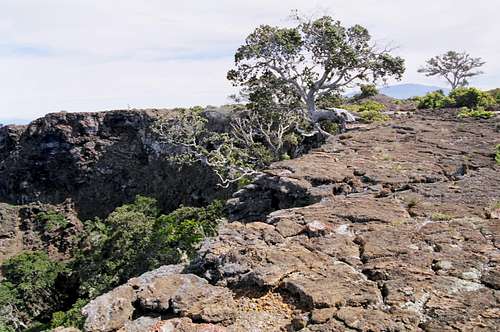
column 403, row 91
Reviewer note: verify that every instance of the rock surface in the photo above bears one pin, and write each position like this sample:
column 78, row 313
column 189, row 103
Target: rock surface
column 390, row 227
column 98, row 161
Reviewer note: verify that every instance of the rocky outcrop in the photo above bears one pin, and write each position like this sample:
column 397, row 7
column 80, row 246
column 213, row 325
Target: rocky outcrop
column 21, row 230
column 98, row 161
column 388, row 227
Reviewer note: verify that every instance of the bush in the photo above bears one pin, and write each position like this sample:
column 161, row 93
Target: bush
column 135, row 239
column 434, row 100
column 371, row 111
column 52, row 220
column 30, row 290
column 495, row 93
column 479, row 112
column 330, row 127
column 471, row 98
column 71, row 318
column 368, row 90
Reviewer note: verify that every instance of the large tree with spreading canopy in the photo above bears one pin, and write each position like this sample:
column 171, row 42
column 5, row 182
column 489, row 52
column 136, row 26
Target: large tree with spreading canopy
column 314, row 58
column 455, row 67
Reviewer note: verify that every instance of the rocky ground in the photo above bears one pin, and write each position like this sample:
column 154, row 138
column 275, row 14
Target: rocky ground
column 391, row 227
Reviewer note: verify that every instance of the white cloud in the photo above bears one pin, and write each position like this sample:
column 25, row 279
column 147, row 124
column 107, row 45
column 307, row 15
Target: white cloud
column 86, row 55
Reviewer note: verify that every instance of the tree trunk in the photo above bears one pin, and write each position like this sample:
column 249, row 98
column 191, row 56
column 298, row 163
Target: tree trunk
column 311, row 107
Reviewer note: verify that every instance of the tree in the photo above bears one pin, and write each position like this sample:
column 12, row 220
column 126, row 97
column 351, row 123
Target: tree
column 315, row 58
column 455, row 67
column 187, row 140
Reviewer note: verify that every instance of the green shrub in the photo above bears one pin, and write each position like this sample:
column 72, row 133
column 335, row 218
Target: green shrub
column 330, row 100
column 434, row 100
column 479, row 112
column 368, row 90
column 495, row 93
column 135, row 239
column 52, row 220
column 71, row 318
column 330, row 127
column 371, row 111
column 29, row 290
column 497, row 154
column 471, row 98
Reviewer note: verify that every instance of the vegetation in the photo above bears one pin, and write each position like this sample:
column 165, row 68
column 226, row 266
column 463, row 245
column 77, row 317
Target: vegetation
column 52, row 220
column 30, row 290
column 71, row 318
column 368, row 111
column 478, row 112
column 495, row 93
column 39, row 293
column 313, row 59
column 471, row 97
column 368, row 90
column 434, row 100
column 453, row 66
column 135, row 238
column 461, row 97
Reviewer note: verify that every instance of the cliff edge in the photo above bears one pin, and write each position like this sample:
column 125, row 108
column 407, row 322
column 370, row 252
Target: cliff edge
column 390, row 227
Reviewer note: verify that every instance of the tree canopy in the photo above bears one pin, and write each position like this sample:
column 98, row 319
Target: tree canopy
column 453, row 66
column 314, row 58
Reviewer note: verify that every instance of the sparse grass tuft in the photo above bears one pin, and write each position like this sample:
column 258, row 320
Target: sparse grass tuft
column 438, row 216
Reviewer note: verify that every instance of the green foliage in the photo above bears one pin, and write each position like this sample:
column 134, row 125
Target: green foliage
column 70, row 318
column 495, row 93
column 471, row 98
column 479, row 112
column 368, row 90
column 52, row 220
column 29, row 290
column 330, row 100
column 434, row 100
column 135, row 239
column 330, row 127
column 197, row 109
column 315, row 57
column 455, row 67
column 369, row 111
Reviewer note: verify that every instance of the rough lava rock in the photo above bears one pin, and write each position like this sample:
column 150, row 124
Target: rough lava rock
column 98, row 161
column 385, row 228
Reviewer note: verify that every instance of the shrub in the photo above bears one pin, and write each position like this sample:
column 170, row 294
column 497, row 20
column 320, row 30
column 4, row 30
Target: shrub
column 135, row 239
column 371, row 111
column 29, row 290
column 368, row 90
column 471, row 98
column 330, row 127
column 71, row 318
column 495, row 93
column 52, row 220
column 479, row 112
column 434, row 100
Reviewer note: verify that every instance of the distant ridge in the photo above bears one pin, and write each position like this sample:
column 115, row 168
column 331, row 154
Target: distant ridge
column 403, row 91
column 10, row 121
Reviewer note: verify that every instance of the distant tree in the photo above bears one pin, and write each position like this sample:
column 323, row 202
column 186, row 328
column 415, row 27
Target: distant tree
column 455, row 67
column 314, row 58
column 368, row 90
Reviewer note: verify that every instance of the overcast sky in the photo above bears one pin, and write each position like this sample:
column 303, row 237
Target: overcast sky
column 89, row 55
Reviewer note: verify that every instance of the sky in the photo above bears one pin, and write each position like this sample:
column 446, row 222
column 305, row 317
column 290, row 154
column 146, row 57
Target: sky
column 93, row 55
